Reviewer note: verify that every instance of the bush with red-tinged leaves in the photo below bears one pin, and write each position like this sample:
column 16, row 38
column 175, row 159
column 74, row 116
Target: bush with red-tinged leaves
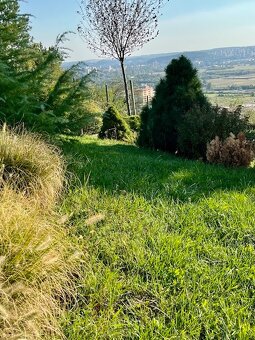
column 233, row 151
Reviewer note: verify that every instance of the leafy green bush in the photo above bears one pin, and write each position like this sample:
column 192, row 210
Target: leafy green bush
column 134, row 122
column 201, row 124
column 114, row 126
column 89, row 121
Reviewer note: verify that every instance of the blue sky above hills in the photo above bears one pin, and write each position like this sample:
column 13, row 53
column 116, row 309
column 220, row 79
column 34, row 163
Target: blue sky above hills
column 184, row 25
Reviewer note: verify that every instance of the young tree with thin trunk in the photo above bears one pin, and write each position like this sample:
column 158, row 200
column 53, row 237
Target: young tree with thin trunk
column 116, row 28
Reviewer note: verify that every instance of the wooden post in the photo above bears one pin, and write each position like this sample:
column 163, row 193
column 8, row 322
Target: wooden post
column 133, row 97
column 107, row 94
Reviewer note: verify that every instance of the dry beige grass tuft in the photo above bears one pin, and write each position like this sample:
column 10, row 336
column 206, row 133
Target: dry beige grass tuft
column 30, row 165
column 37, row 259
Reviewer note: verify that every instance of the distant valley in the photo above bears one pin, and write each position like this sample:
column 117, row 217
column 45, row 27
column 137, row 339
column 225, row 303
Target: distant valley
column 227, row 74
column 231, row 63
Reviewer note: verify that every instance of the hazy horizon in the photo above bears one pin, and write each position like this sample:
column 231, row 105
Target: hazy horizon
column 166, row 53
column 193, row 26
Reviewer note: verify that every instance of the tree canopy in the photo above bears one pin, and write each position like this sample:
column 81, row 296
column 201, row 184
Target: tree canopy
column 34, row 88
column 116, row 28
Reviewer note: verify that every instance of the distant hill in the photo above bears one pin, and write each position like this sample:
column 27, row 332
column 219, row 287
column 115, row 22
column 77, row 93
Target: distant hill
column 205, row 58
column 228, row 69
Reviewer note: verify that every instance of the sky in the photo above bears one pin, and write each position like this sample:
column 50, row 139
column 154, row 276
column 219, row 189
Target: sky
column 185, row 25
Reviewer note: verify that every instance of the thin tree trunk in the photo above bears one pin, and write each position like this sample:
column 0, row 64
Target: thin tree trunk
column 125, row 85
column 107, row 94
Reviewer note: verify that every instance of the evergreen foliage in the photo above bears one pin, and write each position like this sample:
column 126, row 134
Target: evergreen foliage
column 34, row 88
column 201, row 124
column 181, row 120
column 176, row 94
column 114, row 126
column 145, row 136
column 134, row 122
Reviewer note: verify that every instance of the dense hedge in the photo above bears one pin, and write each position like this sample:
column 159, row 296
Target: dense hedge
column 180, row 119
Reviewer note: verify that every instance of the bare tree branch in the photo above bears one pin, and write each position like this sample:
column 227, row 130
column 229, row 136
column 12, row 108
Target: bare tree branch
column 116, row 28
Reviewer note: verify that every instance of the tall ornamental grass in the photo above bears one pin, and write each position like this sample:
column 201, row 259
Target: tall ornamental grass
column 38, row 262
column 30, row 165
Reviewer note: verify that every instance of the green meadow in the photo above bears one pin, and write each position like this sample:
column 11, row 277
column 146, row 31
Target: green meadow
column 169, row 244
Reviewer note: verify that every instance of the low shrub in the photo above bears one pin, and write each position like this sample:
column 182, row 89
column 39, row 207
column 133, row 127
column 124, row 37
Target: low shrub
column 233, row 151
column 134, row 122
column 201, row 124
column 195, row 131
column 29, row 165
column 114, row 126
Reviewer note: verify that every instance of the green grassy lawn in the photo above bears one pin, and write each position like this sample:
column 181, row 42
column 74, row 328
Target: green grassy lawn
column 173, row 257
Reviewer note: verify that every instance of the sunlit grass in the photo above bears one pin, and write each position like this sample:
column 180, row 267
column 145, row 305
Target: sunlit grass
column 173, row 255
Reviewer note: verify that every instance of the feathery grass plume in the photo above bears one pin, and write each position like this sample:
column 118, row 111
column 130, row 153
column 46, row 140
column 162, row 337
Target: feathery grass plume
column 233, row 151
column 37, row 266
column 94, row 219
column 30, row 165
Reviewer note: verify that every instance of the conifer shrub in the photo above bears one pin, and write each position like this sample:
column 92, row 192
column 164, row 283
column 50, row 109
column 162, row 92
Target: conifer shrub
column 195, row 131
column 181, row 120
column 145, row 133
column 134, row 122
column 226, row 121
column 233, row 151
column 176, row 94
column 114, row 126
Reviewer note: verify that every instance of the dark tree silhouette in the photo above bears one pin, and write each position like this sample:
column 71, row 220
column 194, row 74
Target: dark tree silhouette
column 116, row 28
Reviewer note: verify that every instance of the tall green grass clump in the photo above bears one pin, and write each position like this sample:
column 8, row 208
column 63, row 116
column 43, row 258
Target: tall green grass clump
column 37, row 259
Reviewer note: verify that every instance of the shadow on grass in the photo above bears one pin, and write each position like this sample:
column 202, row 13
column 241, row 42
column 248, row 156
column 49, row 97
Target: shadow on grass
column 120, row 168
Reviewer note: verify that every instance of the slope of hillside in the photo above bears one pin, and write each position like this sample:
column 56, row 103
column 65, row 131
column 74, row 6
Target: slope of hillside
column 169, row 245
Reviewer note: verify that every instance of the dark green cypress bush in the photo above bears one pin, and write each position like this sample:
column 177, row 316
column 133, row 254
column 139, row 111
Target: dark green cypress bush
column 176, row 94
column 145, row 133
column 114, row 126
column 181, row 119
